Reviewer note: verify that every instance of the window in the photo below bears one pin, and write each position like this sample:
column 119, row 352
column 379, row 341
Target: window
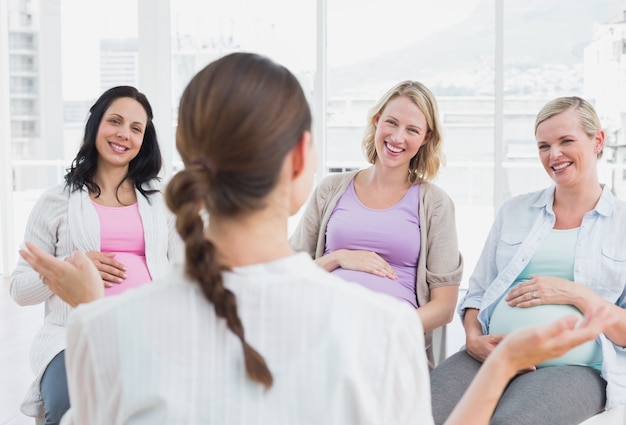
column 447, row 45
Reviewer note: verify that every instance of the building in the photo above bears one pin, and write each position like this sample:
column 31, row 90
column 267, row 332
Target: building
column 35, row 108
column 118, row 63
column 605, row 85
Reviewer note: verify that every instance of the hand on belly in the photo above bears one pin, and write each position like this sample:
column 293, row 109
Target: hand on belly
column 137, row 273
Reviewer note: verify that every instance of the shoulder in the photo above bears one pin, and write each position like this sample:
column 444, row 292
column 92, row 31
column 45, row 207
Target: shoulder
column 620, row 206
column 611, row 205
column 536, row 199
column 435, row 202
column 332, row 186
column 153, row 296
column 351, row 298
column 371, row 319
column 299, row 277
column 432, row 192
column 334, row 181
column 56, row 195
column 60, row 190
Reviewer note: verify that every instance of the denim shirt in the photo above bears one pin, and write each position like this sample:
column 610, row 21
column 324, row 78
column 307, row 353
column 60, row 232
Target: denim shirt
column 520, row 227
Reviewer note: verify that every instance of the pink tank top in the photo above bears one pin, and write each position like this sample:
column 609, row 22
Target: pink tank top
column 121, row 232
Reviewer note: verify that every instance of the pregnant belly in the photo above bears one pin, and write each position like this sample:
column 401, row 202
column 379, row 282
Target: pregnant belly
column 137, row 273
column 400, row 288
column 506, row 319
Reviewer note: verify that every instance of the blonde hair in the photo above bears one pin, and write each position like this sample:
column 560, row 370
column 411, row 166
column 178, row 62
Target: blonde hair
column 425, row 164
column 589, row 120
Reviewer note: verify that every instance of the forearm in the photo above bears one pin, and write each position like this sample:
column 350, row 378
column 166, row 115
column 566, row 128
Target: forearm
column 45, row 220
column 480, row 399
column 27, row 288
column 440, row 309
column 617, row 332
column 588, row 299
column 471, row 324
column 329, row 262
column 433, row 316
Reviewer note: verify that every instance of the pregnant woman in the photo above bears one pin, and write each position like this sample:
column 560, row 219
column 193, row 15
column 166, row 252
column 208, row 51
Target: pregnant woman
column 388, row 227
column 110, row 207
column 549, row 254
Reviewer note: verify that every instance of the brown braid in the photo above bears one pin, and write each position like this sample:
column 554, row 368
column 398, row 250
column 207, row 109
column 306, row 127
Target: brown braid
column 185, row 197
column 238, row 119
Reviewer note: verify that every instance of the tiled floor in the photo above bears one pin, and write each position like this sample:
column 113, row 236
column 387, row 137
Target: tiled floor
column 18, row 326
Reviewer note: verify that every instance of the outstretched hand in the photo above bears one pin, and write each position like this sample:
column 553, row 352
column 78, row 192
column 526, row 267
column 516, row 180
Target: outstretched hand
column 75, row 281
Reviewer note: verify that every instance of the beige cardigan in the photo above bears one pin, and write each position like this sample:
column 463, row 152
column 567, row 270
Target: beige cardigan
column 440, row 262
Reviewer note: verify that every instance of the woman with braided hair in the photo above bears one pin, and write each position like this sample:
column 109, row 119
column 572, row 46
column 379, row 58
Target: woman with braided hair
column 247, row 331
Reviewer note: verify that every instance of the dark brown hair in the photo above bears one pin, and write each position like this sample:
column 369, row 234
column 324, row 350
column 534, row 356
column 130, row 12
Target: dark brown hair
column 142, row 169
column 238, row 119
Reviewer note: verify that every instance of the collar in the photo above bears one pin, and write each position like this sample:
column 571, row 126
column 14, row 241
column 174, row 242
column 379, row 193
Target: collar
column 604, row 206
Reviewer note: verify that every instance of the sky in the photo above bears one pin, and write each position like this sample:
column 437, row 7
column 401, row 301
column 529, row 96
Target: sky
column 282, row 29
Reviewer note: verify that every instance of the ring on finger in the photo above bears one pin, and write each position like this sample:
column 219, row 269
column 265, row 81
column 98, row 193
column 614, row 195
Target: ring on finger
column 534, row 294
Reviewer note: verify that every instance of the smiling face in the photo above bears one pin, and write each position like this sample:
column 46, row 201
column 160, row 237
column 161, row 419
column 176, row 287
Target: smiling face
column 120, row 134
column 401, row 129
column 567, row 153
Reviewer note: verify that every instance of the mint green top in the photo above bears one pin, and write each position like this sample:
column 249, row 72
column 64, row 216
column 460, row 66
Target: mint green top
column 555, row 257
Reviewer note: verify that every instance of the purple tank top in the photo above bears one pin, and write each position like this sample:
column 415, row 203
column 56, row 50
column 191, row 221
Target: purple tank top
column 392, row 233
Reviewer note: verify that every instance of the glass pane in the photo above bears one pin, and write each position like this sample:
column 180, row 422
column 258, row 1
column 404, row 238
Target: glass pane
column 50, row 93
column 545, row 57
column 283, row 30
column 203, row 31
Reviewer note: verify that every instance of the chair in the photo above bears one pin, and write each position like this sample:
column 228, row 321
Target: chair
column 439, row 344
column 615, row 416
column 41, row 420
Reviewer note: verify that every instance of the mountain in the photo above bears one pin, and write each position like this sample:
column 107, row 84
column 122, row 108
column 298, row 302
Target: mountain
column 541, row 37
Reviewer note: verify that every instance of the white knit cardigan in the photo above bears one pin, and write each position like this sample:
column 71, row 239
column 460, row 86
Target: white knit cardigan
column 60, row 223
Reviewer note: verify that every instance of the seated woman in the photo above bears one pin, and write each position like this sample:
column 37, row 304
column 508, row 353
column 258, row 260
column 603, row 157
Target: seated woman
column 112, row 208
column 549, row 254
column 387, row 227
column 248, row 331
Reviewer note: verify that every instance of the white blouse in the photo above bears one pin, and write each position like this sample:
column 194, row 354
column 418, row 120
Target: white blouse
column 339, row 353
